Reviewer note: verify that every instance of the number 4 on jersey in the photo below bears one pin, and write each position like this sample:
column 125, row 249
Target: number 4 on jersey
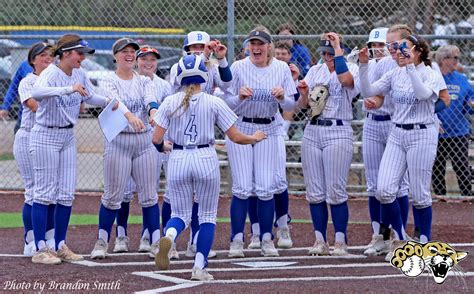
column 191, row 129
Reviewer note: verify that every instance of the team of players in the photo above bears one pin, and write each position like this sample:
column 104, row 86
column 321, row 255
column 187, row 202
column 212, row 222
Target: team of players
column 254, row 89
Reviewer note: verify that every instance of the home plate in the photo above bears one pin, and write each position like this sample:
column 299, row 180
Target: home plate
column 266, row 263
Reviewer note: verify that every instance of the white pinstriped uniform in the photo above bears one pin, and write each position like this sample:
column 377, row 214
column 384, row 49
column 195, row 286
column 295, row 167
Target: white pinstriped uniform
column 375, row 133
column 194, row 170
column 54, row 150
column 253, row 167
column 131, row 153
column 326, row 151
column 282, row 183
column 412, row 150
column 214, row 79
column 21, row 145
column 163, row 89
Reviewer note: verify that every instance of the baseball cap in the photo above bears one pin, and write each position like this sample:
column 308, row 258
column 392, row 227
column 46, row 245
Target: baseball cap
column 79, row 45
column 36, row 50
column 259, row 35
column 122, row 43
column 146, row 49
column 325, row 46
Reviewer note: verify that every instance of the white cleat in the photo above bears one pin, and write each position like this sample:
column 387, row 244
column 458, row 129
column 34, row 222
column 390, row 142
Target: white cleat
column 144, row 245
column 395, row 244
column 154, row 248
column 375, row 238
column 268, row 249
column 340, row 249
column 379, row 247
column 121, row 244
column 254, row 242
column 174, row 253
column 236, row 249
column 319, row 248
column 162, row 259
column 284, row 238
column 100, row 249
column 191, row 251
column 29, row 249
column 201, row 275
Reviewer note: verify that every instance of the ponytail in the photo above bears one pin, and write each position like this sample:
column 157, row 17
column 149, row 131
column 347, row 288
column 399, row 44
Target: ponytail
column 188, row 92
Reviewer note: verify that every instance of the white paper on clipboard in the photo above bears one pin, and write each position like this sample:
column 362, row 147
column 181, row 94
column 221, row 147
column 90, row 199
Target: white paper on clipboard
column 112, row 122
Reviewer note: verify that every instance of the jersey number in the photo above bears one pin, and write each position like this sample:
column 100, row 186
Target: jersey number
column 191, row 130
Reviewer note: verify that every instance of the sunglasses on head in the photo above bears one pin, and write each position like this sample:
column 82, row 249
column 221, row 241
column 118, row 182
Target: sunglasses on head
column 145, row 50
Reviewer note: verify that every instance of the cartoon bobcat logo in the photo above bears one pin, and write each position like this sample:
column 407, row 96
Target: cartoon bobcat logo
column 436, row 257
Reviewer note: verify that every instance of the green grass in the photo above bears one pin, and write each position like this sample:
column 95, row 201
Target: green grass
column 13, row 220
column 6, row 156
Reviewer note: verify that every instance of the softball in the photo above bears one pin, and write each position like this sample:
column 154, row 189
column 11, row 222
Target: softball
column 413, row 266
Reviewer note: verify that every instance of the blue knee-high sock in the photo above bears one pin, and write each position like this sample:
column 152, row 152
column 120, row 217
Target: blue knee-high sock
column 205, row 239
column 39, row 215
column 281, row 204
column 416, row 218
column 238, row 214
column 374, row 209
column 266, row 211
column 425, row 218
column 391, row 215
column 61, row 222
column 404, row 205
column 26, row 216
column 320, row 215
column 122, row 216
column 177, row 224
column 194, row 221
column 165, row 214
column 253, row 213
column 340, row 218
column 51, row 216
column 151, row 218
column 106, row 219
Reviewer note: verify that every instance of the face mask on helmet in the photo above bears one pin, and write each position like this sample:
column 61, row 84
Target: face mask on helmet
column 378, row 53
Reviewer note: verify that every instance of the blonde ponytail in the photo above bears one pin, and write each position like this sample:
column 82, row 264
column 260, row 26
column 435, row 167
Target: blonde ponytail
column 188, row 92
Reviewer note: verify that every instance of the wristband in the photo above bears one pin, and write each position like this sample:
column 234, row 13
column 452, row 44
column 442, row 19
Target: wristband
column 159, row 147
column 439, row 106
column 151, row 105
column 340, row 65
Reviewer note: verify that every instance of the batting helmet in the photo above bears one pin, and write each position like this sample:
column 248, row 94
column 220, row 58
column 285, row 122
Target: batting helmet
column 191, row 70
column 377, row 35
column 195, row 37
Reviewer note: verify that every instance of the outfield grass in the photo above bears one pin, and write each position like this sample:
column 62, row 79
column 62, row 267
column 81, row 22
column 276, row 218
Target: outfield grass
column 13, row 220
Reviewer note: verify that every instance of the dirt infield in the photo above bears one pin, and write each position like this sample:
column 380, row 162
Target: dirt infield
column 293, row 271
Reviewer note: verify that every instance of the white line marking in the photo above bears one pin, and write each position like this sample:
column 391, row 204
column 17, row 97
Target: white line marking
column 161, row 277
column 302, row 267
column 191, row 261
column 171, row 288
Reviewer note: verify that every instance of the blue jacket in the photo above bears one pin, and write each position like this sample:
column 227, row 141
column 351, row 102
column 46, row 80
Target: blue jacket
column 454, row 118
column 301, row 57
column 12, row 93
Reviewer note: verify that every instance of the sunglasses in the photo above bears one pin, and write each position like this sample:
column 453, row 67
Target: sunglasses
column 77, row 45
column 453, row 57
column 145, row 50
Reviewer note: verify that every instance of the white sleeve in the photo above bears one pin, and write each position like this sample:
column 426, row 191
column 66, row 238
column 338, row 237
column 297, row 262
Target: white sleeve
column 231, row 94
column 41, row 92
column 161, row 117
column 24, row 90
column 288, row 103
column 225, row 117
column 382, row 86
column 149, row 90
column 422, row 91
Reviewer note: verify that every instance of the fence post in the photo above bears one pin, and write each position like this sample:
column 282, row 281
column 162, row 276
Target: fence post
column 230, row 31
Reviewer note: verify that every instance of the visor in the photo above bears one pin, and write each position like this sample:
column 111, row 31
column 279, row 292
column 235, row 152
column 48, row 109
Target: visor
column 120, row 44
column 37, row 49
column 80, row 46
column 148, row 50
column 259, row 35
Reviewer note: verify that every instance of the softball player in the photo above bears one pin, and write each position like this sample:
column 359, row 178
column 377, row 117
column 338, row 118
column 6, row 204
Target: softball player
column 220, row 76
column 260, row 83
column 39, row 57
column 326, row 151
column 131, row 152
column 60, row 89
column 413, row 88
column 189, row 117
column 147, row 64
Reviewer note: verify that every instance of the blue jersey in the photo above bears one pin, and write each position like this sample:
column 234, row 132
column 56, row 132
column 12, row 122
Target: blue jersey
column 12, row 93
column 301, row 57
column 454, row 119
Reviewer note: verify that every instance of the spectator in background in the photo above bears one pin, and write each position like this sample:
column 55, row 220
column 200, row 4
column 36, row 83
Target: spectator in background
column 454, row 141
column 12, row 93
column 300, row 54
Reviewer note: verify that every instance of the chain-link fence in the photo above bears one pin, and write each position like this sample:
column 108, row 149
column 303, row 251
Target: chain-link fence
column 164, row 24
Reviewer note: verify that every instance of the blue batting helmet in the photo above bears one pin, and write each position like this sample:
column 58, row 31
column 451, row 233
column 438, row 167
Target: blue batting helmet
column 191, row 70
